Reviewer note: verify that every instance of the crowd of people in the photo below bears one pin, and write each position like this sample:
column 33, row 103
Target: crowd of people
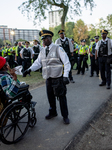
column 57, row 61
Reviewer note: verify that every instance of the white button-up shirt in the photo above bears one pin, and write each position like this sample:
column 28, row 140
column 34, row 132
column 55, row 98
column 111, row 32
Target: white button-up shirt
column 63, row 56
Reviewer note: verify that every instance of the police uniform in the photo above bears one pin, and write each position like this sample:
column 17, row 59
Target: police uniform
column 14, row 52
column 18, row 49
column 104, row 49
column 76, row 54
column 52, row 58
column 68, row 47
column 36, row 49
column 86, row 65
column 82, row 57
column 26, row 55
column 94, row 67
column 0, row 50
column 9, row 53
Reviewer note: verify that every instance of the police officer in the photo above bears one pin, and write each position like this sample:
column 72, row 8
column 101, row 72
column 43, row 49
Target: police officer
column 68, row 47
column 36, row 49
column 86, row 66
column 94, row 67
column 15, row 46
column 83, row 56
column 75, row 53
column 0, row 50
column 52, row 57
column 14, row 51
column 4, row 51
column 17, row 53
column 103, row 50
column 26, row 55
column 9, row 53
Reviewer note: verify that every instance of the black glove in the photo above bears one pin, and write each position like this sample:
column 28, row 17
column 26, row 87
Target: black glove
column 26, row 72
column 65, row 80
column 96, row 61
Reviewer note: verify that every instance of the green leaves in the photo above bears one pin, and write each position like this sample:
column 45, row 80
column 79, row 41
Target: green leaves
column 39, row 8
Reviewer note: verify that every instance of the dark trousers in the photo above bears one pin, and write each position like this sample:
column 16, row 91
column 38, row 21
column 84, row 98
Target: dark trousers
column 94, row 67
column 52, row 100
column 19, row 60
column 105, row 70
column 10, row 61
column 81, row 59
column 35, row 57
column 26, row 63
column 76, row 60
column 70, row 75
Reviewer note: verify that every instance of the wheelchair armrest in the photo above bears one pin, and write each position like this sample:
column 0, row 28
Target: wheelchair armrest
column 23, row 87
column 19, row 95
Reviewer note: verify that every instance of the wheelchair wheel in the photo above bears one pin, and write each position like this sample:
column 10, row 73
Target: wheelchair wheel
column 15, row 121
column 33, row 122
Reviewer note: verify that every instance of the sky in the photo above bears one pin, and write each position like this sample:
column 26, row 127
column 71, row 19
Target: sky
column 12, row 17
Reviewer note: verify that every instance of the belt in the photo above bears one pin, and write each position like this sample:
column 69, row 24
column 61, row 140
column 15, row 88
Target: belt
column 27, row 57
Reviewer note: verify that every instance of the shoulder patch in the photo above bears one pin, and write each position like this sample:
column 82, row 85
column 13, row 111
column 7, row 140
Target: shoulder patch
column 60, row 47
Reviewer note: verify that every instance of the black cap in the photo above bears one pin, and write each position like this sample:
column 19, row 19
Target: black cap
column 61, row 31
column 104, row 31
column 45, row 33
column 9, row 45
column 92, row 40
column 83, row 40
column 35, row 40
column 26, row 42
column 16, row 42
column 72, row 39
column 96, row 37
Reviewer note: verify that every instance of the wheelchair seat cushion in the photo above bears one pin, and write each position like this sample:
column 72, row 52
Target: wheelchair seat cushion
column 23, row 87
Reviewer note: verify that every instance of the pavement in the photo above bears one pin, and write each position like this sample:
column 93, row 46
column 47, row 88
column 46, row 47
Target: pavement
column 84, row 98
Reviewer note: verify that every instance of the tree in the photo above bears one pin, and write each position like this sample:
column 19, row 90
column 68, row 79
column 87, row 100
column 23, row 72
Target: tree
column 109, row 20
column 39, row 7
column 6, row 41
column 1, row 42
column 20, row 40
column 55, row 31
column 69, row 29
column 80, row 31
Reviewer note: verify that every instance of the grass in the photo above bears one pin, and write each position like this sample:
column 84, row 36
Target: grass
column 36, row 77
column 33, row 80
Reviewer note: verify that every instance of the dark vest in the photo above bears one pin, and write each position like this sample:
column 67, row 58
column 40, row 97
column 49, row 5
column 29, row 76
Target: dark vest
column 103, row 49
column 93, row 48
column 26, row 53
column 65, row 45
column 0, row 52
column 36, row 50
column 19, row 49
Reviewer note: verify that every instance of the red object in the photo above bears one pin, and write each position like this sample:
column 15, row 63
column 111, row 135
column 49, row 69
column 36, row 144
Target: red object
column 2, row 62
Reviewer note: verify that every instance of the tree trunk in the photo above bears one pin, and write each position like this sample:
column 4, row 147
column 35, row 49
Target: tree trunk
column 65, row 11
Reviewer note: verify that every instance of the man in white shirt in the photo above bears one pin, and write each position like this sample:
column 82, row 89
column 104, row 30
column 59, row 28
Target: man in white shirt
column 36, row 49
column 68, row 47
column 103, row 50
column 52, row 57
column 26, row 55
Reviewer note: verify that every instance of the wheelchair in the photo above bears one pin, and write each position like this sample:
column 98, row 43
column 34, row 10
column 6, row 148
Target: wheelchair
column 17, row 115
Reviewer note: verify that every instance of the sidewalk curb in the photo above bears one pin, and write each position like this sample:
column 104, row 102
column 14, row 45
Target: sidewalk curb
column 95, row 116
